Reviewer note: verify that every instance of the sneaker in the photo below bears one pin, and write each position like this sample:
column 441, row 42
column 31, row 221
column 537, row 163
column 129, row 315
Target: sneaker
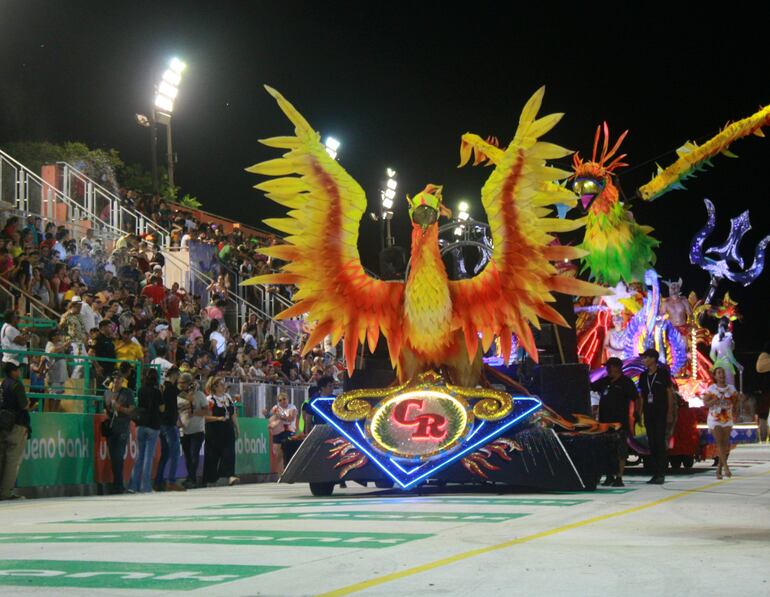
column 618, row 482
column 657, row 481
column 608, row 481
column 131, row 491
column 175, row 487
column 233, row 481
column 15, row 496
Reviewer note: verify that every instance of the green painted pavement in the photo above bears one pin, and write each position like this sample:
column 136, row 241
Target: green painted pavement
column 121, row 575
column 345, row 515
column 599, row 491
column 260, row 537
column 400, row 501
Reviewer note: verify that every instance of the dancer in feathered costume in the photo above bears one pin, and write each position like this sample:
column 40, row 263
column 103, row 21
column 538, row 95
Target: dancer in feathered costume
column 429, row 321
column 618, row 248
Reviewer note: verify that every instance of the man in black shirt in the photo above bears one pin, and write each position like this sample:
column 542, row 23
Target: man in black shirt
column 656, row 400
column 104, row 348
column 617, row 394
column 13, row 439
column 169, row 435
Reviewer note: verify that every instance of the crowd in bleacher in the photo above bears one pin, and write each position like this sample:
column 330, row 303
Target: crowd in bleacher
column 108, row 300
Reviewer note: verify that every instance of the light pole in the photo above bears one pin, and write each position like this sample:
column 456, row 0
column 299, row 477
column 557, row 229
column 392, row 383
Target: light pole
column 165, row 94
column 462, row 217
column 386, row 197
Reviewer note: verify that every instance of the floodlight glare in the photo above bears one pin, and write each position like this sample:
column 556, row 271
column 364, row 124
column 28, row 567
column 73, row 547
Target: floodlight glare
column 390, row 193
column 332, row 143
column 168, row 90
column 390, row 172
column 392, row 184
column 463, row 215
column 164, row 103
column 459, row 231
column 463, row 206
column 172, row 77
column 177, row 65
column 332, row 153
column 387, row 203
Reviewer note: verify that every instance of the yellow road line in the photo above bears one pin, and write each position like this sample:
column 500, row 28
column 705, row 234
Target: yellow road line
column 367, row 584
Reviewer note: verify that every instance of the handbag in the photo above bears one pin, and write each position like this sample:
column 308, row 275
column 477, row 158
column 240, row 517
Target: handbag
column 106, row 426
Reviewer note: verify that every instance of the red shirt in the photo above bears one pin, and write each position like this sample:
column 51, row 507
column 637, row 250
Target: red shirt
column 172, row 305
column 156, row 293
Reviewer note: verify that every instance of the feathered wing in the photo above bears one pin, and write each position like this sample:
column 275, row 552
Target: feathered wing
column 326, row 206
column 692, row 158
column 514, row 289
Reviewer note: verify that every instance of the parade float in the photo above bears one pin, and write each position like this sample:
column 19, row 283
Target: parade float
column 439, row 420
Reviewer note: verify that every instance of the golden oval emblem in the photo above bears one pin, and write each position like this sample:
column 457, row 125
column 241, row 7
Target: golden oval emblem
column 419, row 424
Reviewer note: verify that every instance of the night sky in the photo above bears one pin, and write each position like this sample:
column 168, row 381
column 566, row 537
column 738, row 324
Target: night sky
column 398, row 84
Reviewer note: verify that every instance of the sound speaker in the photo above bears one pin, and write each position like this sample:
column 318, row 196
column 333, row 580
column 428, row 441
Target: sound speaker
column 564, row 388
column 392, row 263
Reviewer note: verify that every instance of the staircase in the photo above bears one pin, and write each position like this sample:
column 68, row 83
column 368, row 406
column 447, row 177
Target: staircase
column 92, row 198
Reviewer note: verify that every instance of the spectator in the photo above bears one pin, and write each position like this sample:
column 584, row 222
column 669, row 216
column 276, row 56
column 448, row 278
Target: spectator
column 221, row 433
column 169, row 435
column 104, row 348
column 193, row 407
column 126, row 349
column 119, row 404
column 87, row 314
column 763, row 401
column 11, row 338
column 14, row 430
column 72, row 324
column 160, row 360
column 147, row 417
column 56, row 367
column 282, row 424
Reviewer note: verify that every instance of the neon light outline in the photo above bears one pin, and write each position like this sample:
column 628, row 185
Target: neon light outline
column 454, row 457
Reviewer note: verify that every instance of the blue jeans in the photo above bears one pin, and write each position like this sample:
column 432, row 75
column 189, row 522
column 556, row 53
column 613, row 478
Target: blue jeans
column 147, row 439
column 169, row 453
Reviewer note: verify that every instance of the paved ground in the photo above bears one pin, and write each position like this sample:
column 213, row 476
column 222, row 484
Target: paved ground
column 693, row 536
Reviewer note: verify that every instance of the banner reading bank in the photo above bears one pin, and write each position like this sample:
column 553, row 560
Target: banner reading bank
column 59, row 452
column 67, row 449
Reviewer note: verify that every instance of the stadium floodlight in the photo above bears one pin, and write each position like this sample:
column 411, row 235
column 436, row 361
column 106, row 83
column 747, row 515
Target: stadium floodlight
column 332, row 147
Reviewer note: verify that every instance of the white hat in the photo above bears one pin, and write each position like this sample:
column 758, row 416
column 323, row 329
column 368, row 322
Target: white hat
column 76, row 299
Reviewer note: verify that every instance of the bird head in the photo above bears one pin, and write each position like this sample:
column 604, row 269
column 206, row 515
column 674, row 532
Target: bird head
column 593, row 177
column 426, row 207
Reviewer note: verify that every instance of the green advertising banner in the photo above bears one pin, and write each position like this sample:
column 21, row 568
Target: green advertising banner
column 60, row 450
column 252, row 448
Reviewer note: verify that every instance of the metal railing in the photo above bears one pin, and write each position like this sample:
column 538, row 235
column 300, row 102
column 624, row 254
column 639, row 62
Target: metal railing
column 25, row 303
column 256, row 397
column 31, row 194
column 81, row 384
column 242, row 306
column 95, row 199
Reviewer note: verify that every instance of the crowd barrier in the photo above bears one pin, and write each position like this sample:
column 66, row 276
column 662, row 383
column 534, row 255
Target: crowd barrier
column 67, row 455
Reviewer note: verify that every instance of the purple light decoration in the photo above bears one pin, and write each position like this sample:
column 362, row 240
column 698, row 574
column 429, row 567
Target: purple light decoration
column 719, row 268
column 648, row 330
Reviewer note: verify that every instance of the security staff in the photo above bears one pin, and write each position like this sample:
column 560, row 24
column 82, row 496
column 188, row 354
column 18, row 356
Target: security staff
column 617, row 393
column 656, row 400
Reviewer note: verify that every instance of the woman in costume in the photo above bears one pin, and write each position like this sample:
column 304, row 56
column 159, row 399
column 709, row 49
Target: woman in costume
column 615, row 340
column 720, row 398
column 722, row 347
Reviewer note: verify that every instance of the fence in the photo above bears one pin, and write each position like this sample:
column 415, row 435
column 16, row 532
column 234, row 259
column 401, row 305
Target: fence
column 256, row 397
column 68, row 382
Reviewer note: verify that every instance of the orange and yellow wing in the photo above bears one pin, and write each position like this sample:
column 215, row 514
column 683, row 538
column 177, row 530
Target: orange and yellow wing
column 514, row 290
column 326, row 206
